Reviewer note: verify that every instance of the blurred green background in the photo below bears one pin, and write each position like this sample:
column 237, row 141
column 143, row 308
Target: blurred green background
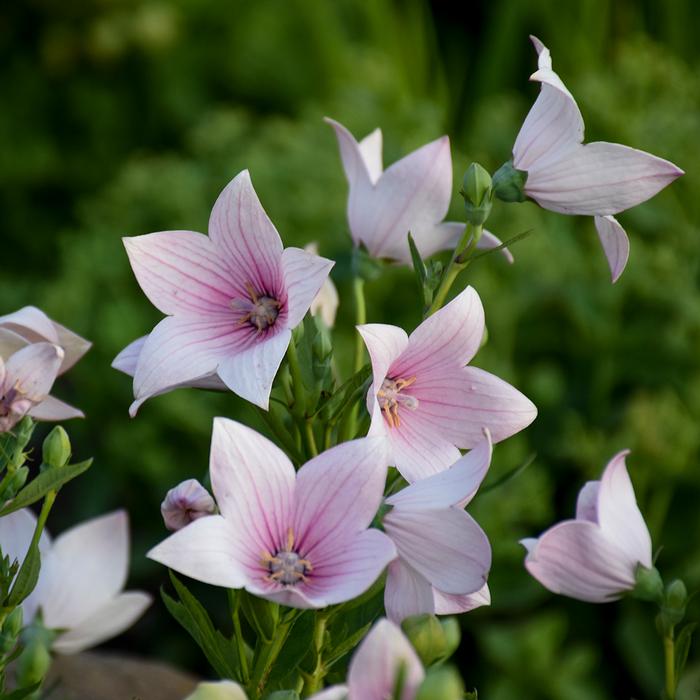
column 122, row 117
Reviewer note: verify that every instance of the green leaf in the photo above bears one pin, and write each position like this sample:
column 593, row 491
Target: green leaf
column 346, row 646
column 283, row 695
column 345, row 395
column 49, row 480
column 296, row 647
column 27, row 577
column 262, row 615
column 682, row 647
column 21, row 693
column 508, row 476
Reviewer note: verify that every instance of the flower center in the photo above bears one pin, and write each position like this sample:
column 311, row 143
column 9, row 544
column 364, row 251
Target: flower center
column 286, row 566
column 390, row 397
column 260, row 310
column 6, row 401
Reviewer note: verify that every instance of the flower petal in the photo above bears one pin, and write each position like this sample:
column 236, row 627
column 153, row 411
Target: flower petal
column 33, row 369
column 181, row 272
column 110, row 620
column 74, row 346
column 127, row 360
column 304, row 274
column 333, row 692
column 406, row 592
column 218, row 690
column 10, row 342
column 618, row 514
column 251, row 372
column 208, row 550
column 32, row 324
column 53, row 409
column 615, row 244
column 488, row 240
column 446, row 546
column 371, row 151
column 246, row 238
column 587, row 502
column 446, row 604
column 575, row 558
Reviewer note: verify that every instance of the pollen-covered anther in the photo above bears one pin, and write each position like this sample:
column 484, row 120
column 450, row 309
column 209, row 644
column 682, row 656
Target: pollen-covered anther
column 390, row 397
column 260, row 310
column 286, row 566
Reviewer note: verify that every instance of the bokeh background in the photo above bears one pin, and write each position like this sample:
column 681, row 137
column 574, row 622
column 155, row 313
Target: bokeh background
column 122, row 117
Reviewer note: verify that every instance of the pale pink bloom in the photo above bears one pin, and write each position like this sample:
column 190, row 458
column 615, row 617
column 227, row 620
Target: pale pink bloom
column 26, row 378
column 444, row 556
column 325, row 304
column 300, row 539
column 232, row 299
column 412, row 195
column 375, row 666
column 81, row 581
column 596, row 179
column 186, row 502
column 218, row 690
column 426, row 401
column 595, row 557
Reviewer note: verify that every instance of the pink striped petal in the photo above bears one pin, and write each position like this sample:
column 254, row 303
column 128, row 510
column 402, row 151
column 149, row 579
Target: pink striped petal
column 446, row 604
column 446, row 546
column 110, row 620
column 181, row 272
column 127, row 360
column 618, row 514
column 615, row 244
column 406, row 592
column 33, row 369
column 251, row 372
column 304, row 274
column 338, row 493
column 587, row 502
column 53, row 409
column 576, row 559
column 371, row 151
column 208, row 550
column 245, row 237
column 377, row 661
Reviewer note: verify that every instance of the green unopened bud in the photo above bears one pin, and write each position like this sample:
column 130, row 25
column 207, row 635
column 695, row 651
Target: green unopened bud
column 648, row 585
column 442, row 683
column 56, row 450
column 477, row 193
column 427, row 636
column 13, row 623
column 33, row 663
column 509, row 183
column 221, row 690
column 453, row 634
column 673, row 606
column 14, row 483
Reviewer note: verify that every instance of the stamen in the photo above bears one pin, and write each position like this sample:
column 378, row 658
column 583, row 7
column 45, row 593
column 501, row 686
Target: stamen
column 286, row 566
column 259, row 310
column 390, row 398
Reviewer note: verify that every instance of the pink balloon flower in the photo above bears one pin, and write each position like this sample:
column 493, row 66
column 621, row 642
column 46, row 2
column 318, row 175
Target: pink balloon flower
column 186, row 502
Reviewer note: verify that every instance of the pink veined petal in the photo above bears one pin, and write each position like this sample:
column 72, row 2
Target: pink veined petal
column 376, row 663
column 127, row 360
column 459, row 405
column 32, row 324
column 74, row 346
column 554, row 125
column 334, row 692
column 208, row 550
column 446, row 604
column 53, row 409
column 618, row 514
column 446, row 546
column 454, row 231
column 85, row 568
column 406, row 592
column 33, row 369
column 181, row 272
column 338, row 493
column 245, row 237
column 251, row 372
column 587, row 502
column 615, row 244
column 10, row 342
column 575, row 558
column 371, row 152
column 304, row 274
column 448, row 339
column 181, row 350
column 454, row 485
column 110, row 620
column 343, row 570
column 254, row 483
column 430, row 240
column 599, row 178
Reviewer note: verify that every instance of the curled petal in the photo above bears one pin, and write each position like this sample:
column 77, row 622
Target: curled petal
column 127, row 360
column 615, row 244
column 52, row 409
column 186, row 502
column 587, row 502
column 371, row 151
column 446, row 604
column 33, row 369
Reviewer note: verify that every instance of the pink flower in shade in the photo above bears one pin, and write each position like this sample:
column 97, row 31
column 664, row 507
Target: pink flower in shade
column 297, row 539
column 375, row 666
column 596, row 556
column 80, row 585
column 326, row 302
column 186, row 502
column 232, row 299
column 26, row 378
column 426, row 401
column 596, row 179
column 444, row 556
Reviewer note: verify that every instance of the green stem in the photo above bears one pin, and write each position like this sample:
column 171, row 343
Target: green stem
column 295, row 370
column 327, row 436
column 358, row 290
column 277, row 427
column 266, row 656
column 234, row 602
column 310, row 438
column 670, row 666
column 314, row 680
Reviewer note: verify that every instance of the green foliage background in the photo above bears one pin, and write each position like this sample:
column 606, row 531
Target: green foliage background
column 122, row 117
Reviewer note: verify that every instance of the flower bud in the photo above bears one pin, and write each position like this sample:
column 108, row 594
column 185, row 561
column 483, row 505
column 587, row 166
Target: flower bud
column 649, row 585
column 56, row 450
column 33, row 663
column 13, row 623
column 509, row 183
column 219, row 690
column 443, row 683
column 477, row 194
column 427, row 637
column 453, row 634
column 186, row 502
column 673, row 607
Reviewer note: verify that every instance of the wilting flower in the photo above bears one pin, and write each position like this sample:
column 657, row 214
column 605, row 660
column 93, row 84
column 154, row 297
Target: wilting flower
column 442, row 550
column 298, row 539
column 412, row 195
column 383, row 654
column 596, row 556
column 81, row 581
column 325, row 304
column 596, row 179
column 26, row 378
column 232, row 299
column 186, row 502
column 424, row 399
